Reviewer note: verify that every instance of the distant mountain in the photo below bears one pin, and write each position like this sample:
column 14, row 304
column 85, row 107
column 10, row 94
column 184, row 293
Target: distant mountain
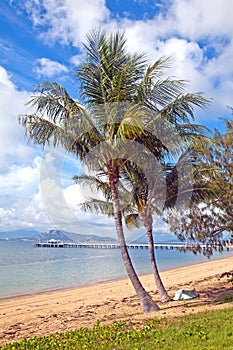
column 159, row 237
column 52, row 234
column 71, row 237
column 33, row 235
column 18, row 234
column 81, row 238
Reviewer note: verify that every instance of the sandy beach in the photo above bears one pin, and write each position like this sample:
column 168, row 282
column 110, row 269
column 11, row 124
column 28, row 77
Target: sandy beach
column 59, row 311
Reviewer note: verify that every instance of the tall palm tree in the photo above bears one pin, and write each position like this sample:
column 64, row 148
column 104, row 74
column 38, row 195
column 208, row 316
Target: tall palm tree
column 138, row 203
column 134, row 212
column 146, row 202
column 123, row 97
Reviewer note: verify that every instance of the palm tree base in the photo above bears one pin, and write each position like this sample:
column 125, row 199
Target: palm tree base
column 148, row 305
column 164, row 301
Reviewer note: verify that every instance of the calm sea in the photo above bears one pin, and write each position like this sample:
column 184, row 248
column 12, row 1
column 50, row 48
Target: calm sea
column 25, row 269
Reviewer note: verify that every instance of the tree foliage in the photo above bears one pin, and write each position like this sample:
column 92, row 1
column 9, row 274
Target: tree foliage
column 206, row 220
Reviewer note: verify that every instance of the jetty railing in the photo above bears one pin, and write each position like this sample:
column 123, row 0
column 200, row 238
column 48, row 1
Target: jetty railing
column 171, row 246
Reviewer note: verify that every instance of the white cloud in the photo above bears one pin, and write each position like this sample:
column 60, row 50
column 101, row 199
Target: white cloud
column 19, row 162
column 20, row 181
column 62, row 205
column 77, row 59
column 28, row 200
column 48, row 68
column 198, row 19
column 19, row 205
column 67, row 21
column 186, row 29
column 198, row 34
column 12, row 143
column 221, row 67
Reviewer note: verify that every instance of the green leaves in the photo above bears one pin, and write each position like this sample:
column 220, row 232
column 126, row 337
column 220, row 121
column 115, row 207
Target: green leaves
column 206, row 330
column 123, row 98
column 132, row 221
column 210, row 212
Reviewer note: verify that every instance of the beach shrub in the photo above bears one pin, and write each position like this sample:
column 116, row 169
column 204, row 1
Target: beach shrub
column 208, row 222
column 229, row 275
column 210, row 330
column 227, row 298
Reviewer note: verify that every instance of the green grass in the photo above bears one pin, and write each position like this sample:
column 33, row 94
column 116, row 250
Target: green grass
column 202, row 331
column 227, row 298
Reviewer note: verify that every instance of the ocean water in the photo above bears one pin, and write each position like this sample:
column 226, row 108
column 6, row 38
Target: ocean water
column 25, row 269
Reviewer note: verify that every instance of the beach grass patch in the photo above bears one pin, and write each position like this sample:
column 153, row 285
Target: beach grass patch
column 227, row 298
column 229, row 275
column 210, row 330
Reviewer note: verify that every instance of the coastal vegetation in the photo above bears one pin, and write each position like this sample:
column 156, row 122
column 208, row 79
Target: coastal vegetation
column 210, row 330
column 206, row 220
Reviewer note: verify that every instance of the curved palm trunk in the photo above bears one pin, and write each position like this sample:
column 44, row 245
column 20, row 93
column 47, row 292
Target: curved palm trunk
column 147, row 304
column 147, row 221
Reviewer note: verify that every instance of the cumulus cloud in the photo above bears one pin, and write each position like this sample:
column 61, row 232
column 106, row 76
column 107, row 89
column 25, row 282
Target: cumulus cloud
column 19, row 205
column 198, row 36
column 188, row 30
column 19, row 161
column 48, row 68
column 198, row 19
column 30, row 198
column 77, row 59
column 67, row 21
column 12, row 143
column 63, row 204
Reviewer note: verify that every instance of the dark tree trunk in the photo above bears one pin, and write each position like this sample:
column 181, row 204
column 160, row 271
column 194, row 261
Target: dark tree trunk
column 147, row 304
column 148, row 221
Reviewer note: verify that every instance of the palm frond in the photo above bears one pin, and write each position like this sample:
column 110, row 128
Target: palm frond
column 131, row 124
column 95, row 183
column 182, row 108
column 52, row 102
column 110, row 73
column 98, row 206
column 132, row 221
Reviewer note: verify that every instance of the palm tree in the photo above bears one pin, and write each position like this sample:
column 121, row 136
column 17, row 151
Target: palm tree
column 146, row 202
column 133, row 210
column 138, row 202
column 123, row 97
column 61, row 119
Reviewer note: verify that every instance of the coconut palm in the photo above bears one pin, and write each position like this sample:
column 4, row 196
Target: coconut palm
column 134, row 210
column 146, row 202
column 121, row 100
column 138, row 202
column 60, row 119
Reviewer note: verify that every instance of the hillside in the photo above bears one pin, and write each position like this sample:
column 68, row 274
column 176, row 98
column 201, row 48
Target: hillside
column 64, row 236
column 159, row 237
column 71, row 237
column 52, row 234
column 18, row 234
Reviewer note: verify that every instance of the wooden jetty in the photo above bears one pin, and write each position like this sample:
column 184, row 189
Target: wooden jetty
column 171, row 246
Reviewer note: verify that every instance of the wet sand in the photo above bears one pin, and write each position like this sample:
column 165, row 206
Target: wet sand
column 60, row 311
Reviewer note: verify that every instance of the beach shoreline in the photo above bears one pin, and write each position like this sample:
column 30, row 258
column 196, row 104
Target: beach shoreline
column 54, row 311
column 89, row 284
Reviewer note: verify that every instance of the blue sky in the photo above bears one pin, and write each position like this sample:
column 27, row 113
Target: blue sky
column 42, row 40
